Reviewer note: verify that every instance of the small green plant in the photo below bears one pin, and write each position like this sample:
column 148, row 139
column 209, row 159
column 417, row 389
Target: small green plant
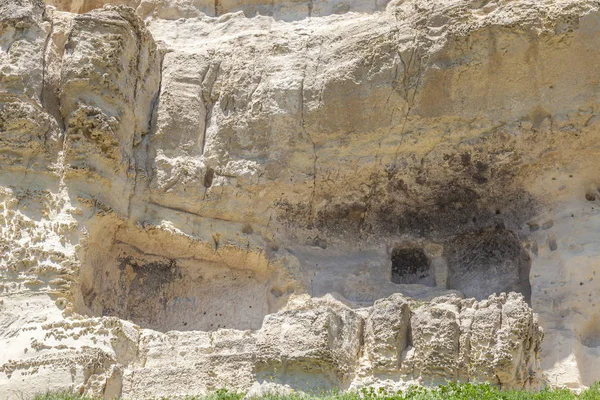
column 60, row 396
column 593, row 393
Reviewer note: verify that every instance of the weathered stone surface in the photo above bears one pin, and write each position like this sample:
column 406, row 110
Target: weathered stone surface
column 29, row 135
column 218, row 173
column 387, row 332
column 496, row 340
column 190, row 363
column 310, row 335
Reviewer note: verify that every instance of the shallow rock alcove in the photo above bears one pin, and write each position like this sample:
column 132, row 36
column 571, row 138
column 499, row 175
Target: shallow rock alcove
column 164, row 282
column 488, row 261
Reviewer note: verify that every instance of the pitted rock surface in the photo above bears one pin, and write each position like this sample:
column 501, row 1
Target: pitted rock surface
column 297, row 195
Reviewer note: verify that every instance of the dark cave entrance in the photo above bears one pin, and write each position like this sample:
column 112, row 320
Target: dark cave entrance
column 411, row 266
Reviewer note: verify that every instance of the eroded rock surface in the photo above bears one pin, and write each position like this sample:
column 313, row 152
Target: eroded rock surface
column 274, row 195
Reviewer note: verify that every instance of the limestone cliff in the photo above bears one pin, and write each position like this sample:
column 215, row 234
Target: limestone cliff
column 308, row 194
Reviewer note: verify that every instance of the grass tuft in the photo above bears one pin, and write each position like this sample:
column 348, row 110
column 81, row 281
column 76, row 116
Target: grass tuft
column 60, row 396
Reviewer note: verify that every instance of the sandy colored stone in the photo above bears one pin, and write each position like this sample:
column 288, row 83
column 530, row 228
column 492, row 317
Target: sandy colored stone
column 320, row 337
column 214, row 193
column 386, row 332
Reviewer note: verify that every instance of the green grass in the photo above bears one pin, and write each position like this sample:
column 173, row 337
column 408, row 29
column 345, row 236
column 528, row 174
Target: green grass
column 451, row 391
column 59, row 396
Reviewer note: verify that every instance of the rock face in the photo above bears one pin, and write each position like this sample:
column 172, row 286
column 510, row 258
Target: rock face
column 297, row 194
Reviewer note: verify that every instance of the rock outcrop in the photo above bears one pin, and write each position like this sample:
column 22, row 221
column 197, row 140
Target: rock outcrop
column 309, row 344
column 304, row 194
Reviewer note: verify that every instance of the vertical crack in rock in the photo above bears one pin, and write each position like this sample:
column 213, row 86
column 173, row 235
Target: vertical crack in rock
column 208, row 82
column 306, row 133
column 408, row 86
column 152, row 122
column 45, row 55
column 314, row 148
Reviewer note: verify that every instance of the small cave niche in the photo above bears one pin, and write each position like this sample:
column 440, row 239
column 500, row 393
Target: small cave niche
column 410, row 265
column 488, row 261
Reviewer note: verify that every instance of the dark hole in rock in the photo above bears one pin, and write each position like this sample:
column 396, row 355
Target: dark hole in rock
column 411, row 265
column 590, row 196
column 488, row 261
column 552, row 244
column 247, row 229
column 318, row 242
column 208, row 177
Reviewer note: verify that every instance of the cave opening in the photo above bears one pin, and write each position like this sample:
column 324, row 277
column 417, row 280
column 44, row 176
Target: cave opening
column 410, row 265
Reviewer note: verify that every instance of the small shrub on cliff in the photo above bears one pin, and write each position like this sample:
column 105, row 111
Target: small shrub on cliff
column 224, row 394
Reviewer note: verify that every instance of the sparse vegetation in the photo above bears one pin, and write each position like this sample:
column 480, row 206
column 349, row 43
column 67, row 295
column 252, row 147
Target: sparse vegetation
column 451, row 391
column 60, row 396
